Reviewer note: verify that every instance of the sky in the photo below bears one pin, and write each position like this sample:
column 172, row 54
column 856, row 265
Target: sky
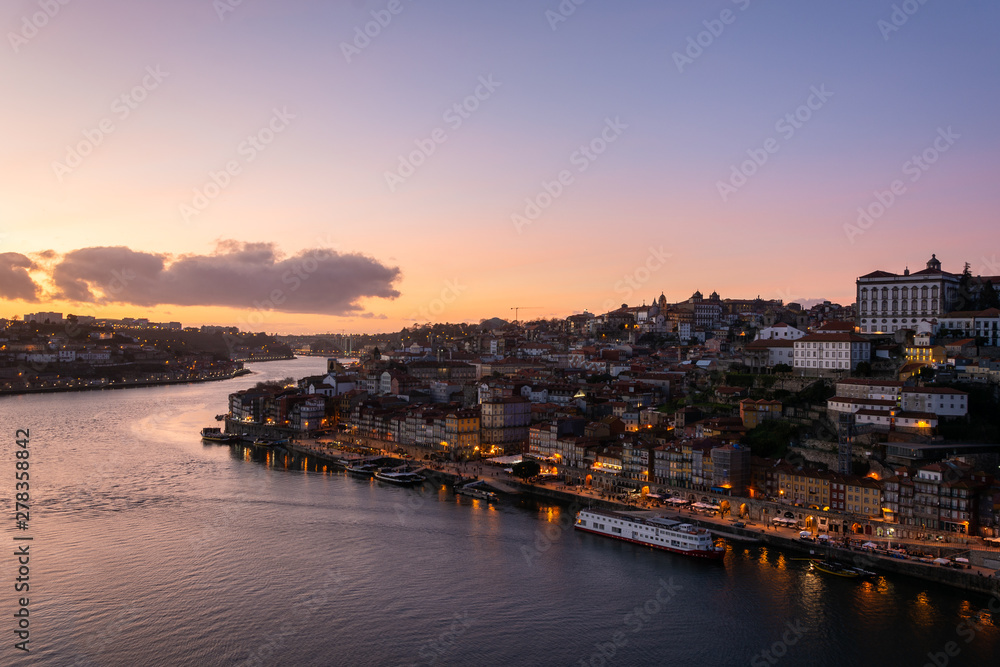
column 302, row 166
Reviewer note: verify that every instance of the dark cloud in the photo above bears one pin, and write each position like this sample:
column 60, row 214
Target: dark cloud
column 236, row 275
column 15, row 283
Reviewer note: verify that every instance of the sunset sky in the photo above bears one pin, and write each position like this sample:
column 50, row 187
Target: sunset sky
column 267, row 164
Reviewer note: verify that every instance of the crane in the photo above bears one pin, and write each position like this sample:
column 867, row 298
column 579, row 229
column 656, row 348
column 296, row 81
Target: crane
column 517, row 308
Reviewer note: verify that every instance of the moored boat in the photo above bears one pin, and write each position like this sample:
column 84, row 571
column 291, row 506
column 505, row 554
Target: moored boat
column 836, row 569
column 363, row 470
column 656, row 532
column 400, row 477
column 215, row 434
column 476, row 490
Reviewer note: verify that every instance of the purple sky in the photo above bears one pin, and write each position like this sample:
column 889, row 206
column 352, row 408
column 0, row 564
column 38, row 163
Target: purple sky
column 472, row 157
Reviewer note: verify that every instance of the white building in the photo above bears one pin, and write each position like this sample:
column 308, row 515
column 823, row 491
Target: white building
column 770, row 352
column 984, row 324
column 912, row 421
column 888, row 302
column 821, row 353
column 940, row 401
column 780, row 331
column 847, row 404
column 44, row 318
column 883, row 390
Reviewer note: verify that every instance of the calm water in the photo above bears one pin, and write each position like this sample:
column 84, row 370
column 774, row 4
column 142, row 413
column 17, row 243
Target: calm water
column 153, row 548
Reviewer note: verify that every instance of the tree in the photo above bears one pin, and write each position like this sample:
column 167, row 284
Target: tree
column 770, row 439
column 864, row 369
column 988, row 297
column 965, row 300
column 526, row 469
column 782, row 368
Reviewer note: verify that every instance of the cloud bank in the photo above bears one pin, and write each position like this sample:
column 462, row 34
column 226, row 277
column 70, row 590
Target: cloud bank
column 15, row 283
column 236, row 275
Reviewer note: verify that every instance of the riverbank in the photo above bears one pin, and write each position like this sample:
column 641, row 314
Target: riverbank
column 104, row 383
column 975, row 578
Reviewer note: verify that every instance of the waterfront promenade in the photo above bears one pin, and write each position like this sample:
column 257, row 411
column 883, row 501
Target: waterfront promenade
column 972, row 577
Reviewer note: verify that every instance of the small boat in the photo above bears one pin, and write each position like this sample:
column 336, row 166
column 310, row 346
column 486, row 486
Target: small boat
column 400, row 477
column 865, row 574
column 214, row 434
column 476, row 490
column 261, row 442
column 363, row 470
column 830, row 567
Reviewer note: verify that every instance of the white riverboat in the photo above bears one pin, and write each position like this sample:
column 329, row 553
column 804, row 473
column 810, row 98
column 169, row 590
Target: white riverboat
column 657, row 532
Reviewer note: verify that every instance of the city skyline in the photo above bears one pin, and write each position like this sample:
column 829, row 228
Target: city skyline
column 368, row 165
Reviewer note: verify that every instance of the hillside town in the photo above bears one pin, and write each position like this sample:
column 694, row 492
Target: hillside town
column 44, row 352
column 877, row 418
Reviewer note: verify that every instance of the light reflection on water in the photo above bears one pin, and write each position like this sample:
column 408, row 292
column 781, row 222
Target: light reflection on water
column 157, row 544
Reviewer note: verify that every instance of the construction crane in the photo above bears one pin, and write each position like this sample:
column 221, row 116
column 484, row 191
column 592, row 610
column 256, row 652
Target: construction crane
column 517, row 308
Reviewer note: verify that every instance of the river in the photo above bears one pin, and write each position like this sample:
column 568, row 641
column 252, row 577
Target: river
column 152, row 547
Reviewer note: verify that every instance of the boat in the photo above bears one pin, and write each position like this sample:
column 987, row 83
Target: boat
column 215, row 434
column 834, row 568
column 657, row 532
column 363, row 470
column 476, row 489
column 261, row 442
column 865, row 574
column 401, row 477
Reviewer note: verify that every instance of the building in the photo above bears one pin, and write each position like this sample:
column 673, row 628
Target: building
column 780, row 331
column 754, row 412
column 828, row 353
column 857, row 495
column 940, row 401
column 461, row 432
column 810, row 488
column 44, row 318
column 504, row 424
column 731, row 469
column 983, row 325
column 925, row 354
column 888, row 302
column 768, row 353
